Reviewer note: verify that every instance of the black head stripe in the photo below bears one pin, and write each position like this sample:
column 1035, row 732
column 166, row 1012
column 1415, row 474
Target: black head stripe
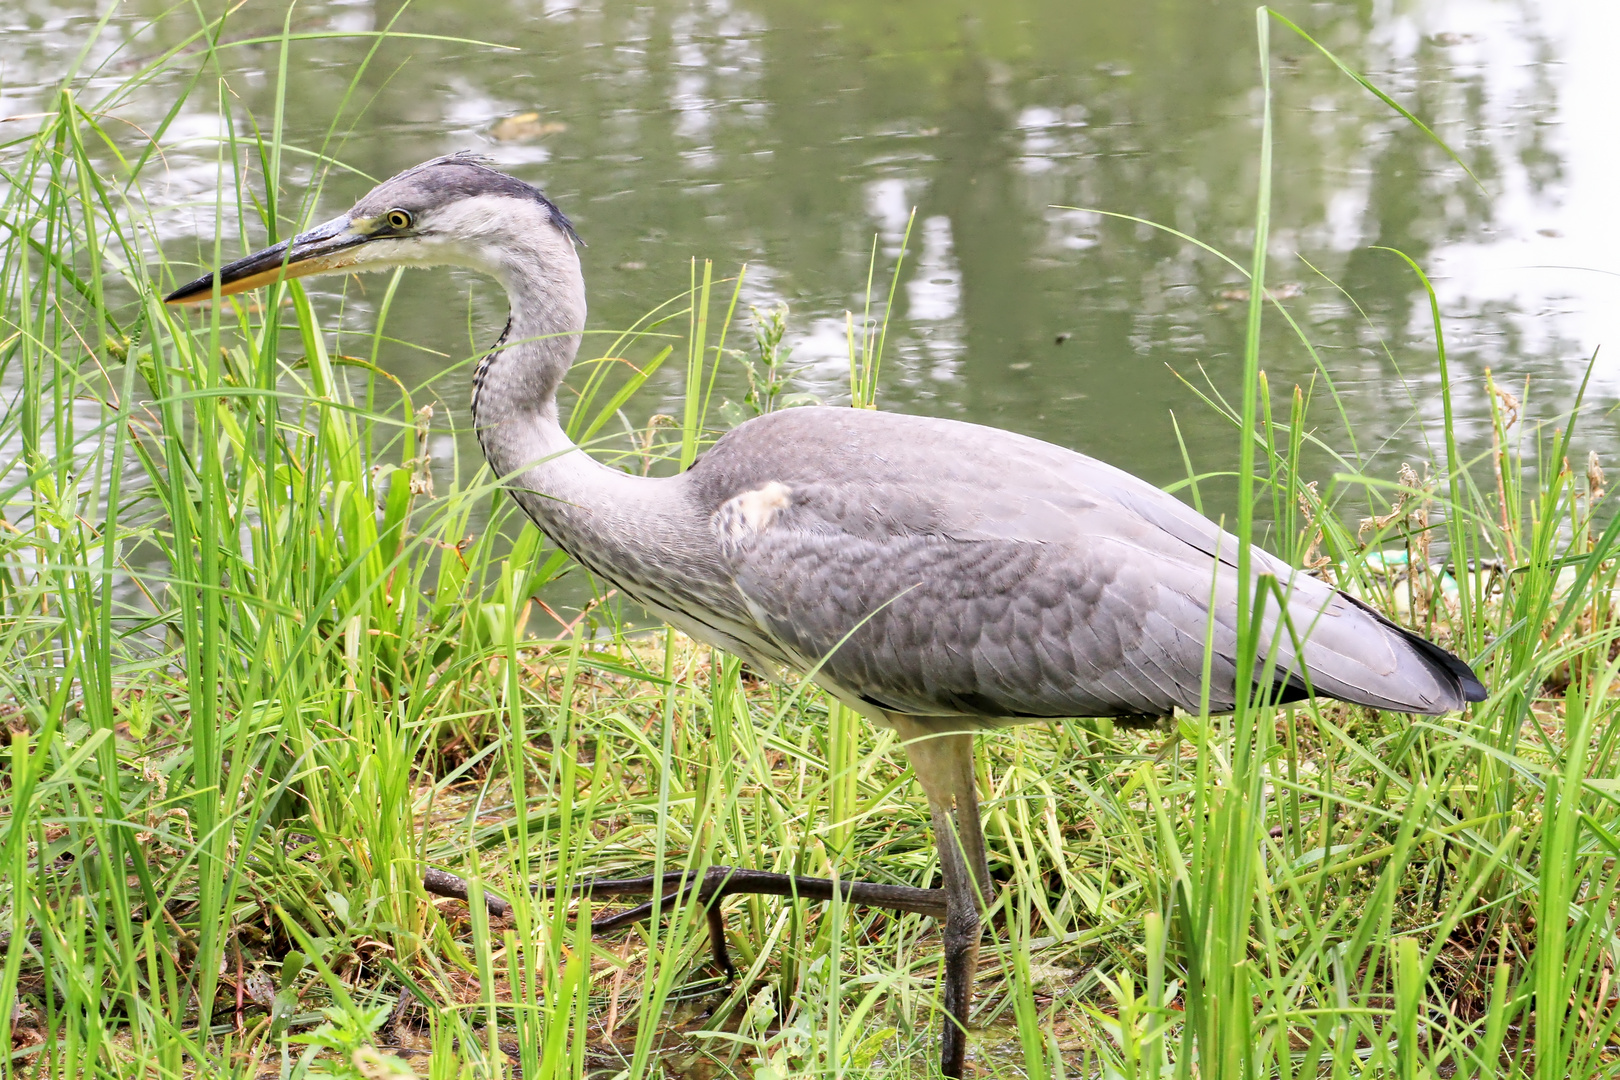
column 454, row 177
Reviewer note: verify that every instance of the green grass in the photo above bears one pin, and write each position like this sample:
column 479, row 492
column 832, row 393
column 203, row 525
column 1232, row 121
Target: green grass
column 256, row 680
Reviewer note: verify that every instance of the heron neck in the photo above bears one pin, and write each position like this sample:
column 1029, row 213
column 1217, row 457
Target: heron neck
column 635, row 530
column 646, row 535
column 514, row 400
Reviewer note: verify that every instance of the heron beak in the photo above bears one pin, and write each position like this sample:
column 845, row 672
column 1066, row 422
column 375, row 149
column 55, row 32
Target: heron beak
column 326, row 247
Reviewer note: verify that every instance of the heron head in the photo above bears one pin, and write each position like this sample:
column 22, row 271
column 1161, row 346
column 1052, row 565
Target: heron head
column 453, row 210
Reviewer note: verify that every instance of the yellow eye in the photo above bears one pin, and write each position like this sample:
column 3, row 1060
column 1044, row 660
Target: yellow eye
column 399, row 219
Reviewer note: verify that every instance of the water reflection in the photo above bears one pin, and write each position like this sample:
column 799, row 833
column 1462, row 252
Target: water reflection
column 787, row 134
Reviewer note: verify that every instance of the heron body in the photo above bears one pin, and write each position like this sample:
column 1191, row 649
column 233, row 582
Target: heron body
column 938, row 577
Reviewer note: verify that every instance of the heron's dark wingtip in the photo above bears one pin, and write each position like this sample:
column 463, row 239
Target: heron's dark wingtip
column 1469, row 688
column 1467, row 682
column 1451, row 670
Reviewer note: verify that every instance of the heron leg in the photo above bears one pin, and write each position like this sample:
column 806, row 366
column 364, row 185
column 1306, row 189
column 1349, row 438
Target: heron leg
column 943, row 762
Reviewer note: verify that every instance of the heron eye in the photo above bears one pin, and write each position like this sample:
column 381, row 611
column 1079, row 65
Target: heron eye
column 399, row 219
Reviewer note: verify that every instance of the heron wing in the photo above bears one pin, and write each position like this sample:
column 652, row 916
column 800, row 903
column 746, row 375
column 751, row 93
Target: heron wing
column 938, row 568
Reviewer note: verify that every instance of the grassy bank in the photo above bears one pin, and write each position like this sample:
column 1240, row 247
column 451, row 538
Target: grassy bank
column 265, row 662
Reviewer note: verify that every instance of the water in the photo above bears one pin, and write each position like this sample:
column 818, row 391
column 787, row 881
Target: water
column 787, row 136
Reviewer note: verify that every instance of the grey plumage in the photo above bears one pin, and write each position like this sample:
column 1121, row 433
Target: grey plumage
column 939, row 577
column 1063, row 588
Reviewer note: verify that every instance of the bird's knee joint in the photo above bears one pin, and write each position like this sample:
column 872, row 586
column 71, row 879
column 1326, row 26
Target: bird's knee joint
column 963, row 924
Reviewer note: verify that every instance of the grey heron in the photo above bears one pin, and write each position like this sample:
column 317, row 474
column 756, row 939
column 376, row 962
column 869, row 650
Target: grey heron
column 941, row 578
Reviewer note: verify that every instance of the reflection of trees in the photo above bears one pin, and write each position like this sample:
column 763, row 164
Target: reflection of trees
column 974, row 184
column 751, row 130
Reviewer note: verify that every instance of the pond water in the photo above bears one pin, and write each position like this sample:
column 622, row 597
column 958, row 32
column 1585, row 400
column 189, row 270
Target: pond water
column 790, row 135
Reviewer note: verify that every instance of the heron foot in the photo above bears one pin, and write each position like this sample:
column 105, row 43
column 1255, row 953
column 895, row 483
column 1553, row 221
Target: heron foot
column 719, row 882
column 716, row 883
column 444, row 883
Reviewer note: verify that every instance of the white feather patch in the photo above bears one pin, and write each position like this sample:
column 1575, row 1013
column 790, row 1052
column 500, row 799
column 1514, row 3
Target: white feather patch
column 753, row 511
